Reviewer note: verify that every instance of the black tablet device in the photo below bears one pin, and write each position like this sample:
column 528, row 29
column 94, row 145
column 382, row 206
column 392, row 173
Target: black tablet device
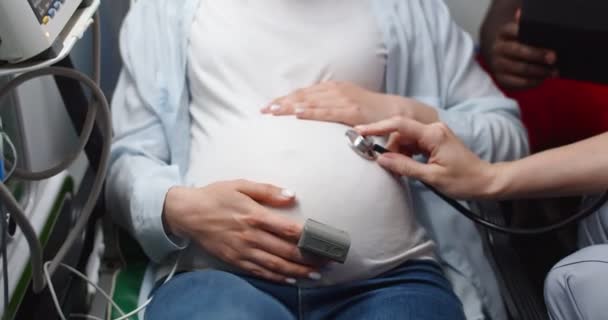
column 576, row 29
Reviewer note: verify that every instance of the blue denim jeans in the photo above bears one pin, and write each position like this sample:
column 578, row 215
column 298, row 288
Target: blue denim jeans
column 415, row 290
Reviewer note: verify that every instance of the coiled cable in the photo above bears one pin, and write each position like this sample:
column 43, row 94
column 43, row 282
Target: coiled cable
column 101, row 106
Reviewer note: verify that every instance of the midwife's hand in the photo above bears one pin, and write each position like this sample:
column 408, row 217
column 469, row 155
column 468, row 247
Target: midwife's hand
column 227, row 220
column 349, row 104
column 451, row 167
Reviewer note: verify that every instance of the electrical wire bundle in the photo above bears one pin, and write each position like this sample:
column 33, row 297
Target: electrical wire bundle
column 42, row 271
column 4, row 219
column 98, row 110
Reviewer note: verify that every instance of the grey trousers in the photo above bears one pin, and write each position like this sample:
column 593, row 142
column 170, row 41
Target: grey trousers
column 577, row 287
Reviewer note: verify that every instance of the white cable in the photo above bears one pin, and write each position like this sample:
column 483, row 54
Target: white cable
column 8, row 141
column 145, row 304
column 82, row 276
column 136, row 311
column 106, row 296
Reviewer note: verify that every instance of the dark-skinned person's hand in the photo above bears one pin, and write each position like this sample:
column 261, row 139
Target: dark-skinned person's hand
column 516, row 65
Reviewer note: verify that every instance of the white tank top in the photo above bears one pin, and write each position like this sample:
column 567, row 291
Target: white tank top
column 243, row 54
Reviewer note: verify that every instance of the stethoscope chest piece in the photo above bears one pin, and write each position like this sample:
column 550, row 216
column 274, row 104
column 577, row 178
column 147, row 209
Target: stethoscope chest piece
column 363, row 146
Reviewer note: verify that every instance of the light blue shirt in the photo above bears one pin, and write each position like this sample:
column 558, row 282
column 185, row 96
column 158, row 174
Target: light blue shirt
column 429, row 59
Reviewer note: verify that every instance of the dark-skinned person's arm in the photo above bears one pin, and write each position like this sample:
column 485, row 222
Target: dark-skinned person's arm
column 576, row 169
column 513, row 64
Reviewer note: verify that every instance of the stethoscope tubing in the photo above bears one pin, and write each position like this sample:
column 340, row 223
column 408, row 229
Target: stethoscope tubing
column 576, row 217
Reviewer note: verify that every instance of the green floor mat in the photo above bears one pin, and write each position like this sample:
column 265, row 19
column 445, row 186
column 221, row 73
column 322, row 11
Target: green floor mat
column 127, row 285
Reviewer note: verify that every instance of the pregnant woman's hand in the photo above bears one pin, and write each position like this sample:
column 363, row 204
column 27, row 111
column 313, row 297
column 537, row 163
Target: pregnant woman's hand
column 347, row 103
column 228, row 220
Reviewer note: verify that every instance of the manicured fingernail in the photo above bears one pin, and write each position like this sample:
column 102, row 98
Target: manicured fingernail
column 290, row 280
column 288, row 193
column 274, row 107
column 314, row 276
column 550, row 58
column 299, row 110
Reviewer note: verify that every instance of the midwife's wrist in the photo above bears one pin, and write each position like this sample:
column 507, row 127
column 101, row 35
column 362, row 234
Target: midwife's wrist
column 497, row 181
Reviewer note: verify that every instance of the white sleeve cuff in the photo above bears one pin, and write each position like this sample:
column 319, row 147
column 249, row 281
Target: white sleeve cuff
column 148, row 204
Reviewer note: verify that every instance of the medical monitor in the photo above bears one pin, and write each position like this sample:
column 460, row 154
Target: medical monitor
column 30, row 28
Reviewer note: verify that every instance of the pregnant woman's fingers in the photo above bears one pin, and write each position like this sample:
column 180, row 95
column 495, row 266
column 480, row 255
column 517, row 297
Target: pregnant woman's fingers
column 261, row 272
column 284, row 249
column 288, row 105
column 238, row 259
column 284, row 103
column 347, row 103
column 347, row 115
column 275, row 223
column 329, row 94
column 266, row 193
column 324, row 107
column 278, row 265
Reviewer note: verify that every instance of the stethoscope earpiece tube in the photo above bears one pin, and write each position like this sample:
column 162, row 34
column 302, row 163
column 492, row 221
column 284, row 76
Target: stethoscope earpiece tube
column 578, row 216
column 363, row 146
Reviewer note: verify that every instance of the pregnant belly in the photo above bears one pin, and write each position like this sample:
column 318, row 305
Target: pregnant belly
column 333, row 185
